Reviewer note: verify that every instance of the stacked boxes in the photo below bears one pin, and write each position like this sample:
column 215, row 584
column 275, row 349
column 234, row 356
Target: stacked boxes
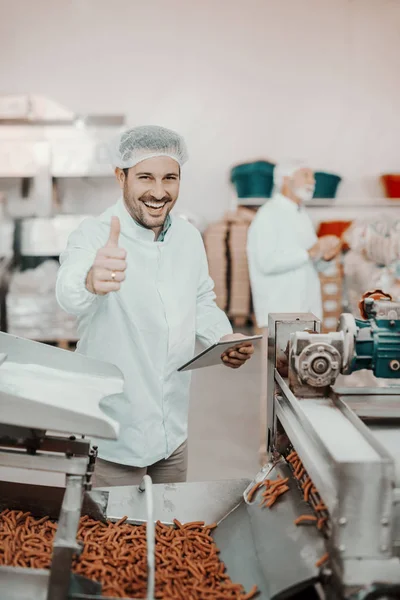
column 240, row 294
column 240, row 291
column 225, row 244
column 215, row 241
column 332, row 296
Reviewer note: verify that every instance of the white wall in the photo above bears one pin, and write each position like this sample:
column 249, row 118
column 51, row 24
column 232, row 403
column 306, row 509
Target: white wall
column 241, row 79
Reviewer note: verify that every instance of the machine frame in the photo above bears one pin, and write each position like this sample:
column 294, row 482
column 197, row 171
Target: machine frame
column 353, row 471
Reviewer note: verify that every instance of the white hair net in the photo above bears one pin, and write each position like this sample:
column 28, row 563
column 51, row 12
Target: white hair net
column 148, row 141
column 284, row 169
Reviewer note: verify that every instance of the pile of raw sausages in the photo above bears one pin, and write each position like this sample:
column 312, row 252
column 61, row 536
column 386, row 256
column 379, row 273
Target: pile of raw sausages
column 274, row 489
column 311, row 495
column 187, row 562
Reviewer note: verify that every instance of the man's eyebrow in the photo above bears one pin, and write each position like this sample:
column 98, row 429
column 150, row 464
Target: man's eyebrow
column 152, row 174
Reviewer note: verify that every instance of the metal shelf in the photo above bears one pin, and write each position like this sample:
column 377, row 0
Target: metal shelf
column 346, row 203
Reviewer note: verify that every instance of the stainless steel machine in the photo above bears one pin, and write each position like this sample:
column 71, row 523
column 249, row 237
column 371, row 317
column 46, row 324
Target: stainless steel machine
column 49, row 400
column 347, row 441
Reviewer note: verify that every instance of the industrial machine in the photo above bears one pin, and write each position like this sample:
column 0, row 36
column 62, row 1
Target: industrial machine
column 348, row 440
column 346, row 444
column 49, row 400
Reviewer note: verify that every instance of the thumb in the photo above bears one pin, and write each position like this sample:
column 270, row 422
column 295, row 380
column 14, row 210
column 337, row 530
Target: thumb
column 115, row 230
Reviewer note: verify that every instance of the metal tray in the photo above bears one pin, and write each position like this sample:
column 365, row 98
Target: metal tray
column 31, row 377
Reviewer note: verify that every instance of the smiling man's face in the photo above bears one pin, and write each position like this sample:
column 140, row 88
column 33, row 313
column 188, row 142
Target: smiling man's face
column 151, row 190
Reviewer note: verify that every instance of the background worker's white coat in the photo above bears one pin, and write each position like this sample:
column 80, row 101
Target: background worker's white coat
column 283, row 277
column 147, row 329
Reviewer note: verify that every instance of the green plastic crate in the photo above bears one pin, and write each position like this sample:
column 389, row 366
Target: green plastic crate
column 253, row 180
column 326, row 185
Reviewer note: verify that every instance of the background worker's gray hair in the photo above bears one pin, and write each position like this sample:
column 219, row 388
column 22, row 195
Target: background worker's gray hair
column 286, row 168
column 148, row 141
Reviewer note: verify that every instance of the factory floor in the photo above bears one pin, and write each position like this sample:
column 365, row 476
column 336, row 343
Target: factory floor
column 224, row 422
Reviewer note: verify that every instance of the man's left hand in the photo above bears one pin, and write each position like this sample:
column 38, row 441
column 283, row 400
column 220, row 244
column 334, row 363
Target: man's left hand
column 332, row 245
column 236, row 356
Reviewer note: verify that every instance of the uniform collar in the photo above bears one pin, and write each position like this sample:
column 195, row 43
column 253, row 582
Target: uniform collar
column 165, row 229
column 288, row 203
column 137, row 230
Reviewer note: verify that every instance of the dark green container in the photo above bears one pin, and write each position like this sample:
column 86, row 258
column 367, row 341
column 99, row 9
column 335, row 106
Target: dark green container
column 253, row 180
column 326, row 185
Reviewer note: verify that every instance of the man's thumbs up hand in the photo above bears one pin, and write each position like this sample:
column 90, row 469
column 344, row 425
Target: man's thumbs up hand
column 115, row 230
column 108, row 270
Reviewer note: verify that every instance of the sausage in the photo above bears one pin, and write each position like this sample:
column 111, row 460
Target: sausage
column 324, row 558
column 305, row 519
column 308, row 488
column 115, row 554
column 254, row 490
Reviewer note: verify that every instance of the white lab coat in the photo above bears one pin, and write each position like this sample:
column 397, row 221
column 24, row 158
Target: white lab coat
column 283, row 277
column 147, row 329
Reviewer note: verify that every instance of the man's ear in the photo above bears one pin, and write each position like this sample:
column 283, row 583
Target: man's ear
column 120, row 175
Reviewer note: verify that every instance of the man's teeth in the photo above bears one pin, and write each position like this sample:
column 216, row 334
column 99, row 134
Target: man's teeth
column 155, row 205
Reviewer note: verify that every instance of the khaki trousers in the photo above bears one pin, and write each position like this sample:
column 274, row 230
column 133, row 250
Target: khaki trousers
column 170, row 470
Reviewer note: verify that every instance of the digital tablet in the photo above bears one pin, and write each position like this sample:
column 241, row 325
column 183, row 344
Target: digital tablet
column 211, row 356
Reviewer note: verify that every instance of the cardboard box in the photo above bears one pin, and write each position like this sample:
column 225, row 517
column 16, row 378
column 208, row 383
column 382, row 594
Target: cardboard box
column 215, row 241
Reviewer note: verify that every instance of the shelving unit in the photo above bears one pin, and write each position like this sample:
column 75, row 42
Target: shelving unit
column 44, row 149
column 327, row 209
column 41, row 143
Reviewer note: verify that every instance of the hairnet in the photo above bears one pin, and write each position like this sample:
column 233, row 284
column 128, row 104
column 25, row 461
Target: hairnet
column 148, row 141
column 284, row 169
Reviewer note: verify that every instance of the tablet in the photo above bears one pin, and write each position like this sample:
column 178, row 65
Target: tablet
column 211, row 356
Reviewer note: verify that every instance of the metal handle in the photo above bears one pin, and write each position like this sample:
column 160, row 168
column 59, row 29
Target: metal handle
column 147, row 486
column 65, row 545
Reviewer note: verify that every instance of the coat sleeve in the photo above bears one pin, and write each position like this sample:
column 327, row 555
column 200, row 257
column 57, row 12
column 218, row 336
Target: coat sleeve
column 211, row 322
column 271, row 248
column 76, row 261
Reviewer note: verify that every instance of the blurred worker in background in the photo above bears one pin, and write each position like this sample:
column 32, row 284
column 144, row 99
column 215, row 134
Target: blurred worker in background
column 137, row 279
column 283, row 255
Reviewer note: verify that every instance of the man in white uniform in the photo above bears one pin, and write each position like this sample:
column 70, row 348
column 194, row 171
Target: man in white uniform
column 137, row 279
column 283, row 254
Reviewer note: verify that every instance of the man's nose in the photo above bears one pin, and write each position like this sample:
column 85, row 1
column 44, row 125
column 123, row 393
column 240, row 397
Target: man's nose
column 158, row 190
